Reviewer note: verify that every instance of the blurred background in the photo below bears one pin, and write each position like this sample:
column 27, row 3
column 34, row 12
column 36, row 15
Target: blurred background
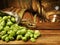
column 43, row 7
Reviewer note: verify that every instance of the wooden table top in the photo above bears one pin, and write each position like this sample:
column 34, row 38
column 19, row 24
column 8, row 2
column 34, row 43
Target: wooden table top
column 48, row 37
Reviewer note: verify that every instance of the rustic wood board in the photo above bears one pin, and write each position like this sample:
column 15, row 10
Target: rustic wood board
column 48, row 37
column 48, row 25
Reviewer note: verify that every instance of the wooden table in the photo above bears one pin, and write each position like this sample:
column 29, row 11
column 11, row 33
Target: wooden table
column 48, row 37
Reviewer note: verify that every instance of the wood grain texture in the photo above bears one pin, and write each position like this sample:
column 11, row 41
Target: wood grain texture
column 48, row 25
column 48, row 37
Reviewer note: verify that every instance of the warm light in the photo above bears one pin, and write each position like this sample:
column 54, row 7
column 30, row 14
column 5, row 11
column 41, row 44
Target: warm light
column 57, row 7
column 54, row 18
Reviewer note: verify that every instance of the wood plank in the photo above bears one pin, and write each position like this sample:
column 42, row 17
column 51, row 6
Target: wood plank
column 48, row 25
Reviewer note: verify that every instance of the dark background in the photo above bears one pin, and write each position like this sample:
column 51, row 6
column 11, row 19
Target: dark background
column 27, row 3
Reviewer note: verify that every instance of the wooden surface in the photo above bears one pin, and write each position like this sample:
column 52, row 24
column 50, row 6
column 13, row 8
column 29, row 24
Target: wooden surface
column 48, row 37
column 48, row 25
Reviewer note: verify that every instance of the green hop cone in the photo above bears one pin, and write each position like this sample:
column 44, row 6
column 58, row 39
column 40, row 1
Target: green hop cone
column 0, row 18
column 31, row 35
column 19, row 37
column 3, row 32
column 9, row 23
column 6, row 28
column 31, row 31
column 24, row 38
column 33, row 39
column 2, row 23
column 18, row 32
column 4, row 36
column 7, row 39
column 37, row 32
column 23, row 31
column 9, row 17
column 11, row 33
column 5, row 18
column 11, row 38
column 27, row 35
column 13, row 19
column 1, row 27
